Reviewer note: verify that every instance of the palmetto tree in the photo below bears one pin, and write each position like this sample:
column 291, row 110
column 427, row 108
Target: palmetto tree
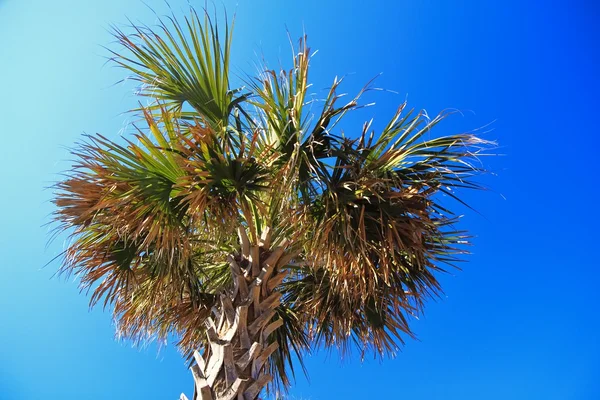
column 250, row 229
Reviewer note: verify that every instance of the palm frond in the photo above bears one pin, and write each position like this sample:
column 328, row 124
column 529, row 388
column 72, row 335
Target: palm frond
column 379, row 234
column 280, row 98
column 129, row 217
column 181, row 63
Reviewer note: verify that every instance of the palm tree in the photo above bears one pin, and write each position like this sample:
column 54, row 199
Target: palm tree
column 250, row 229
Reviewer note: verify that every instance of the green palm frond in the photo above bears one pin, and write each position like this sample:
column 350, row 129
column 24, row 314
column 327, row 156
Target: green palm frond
column 181, row 63
column 280, row 99
column 223, row 171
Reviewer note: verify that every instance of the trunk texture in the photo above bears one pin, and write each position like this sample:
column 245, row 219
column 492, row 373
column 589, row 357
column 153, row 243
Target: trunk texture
column 232, row 365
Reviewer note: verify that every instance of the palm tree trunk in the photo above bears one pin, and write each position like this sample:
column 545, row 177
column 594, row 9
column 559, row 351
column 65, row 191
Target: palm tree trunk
column 232, row 365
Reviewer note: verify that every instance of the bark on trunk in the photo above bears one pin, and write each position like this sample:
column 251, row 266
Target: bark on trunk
column 232, row 365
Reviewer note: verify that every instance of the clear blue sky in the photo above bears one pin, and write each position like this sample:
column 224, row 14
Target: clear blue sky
column 520, row 321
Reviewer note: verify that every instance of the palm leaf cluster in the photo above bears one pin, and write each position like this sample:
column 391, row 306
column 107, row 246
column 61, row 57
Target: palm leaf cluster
column 154, row 218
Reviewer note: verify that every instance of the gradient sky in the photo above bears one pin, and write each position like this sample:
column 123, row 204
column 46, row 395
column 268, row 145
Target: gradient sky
column 520, row 321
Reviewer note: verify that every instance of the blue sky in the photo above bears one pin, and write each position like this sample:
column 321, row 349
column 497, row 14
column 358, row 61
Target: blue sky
column 520, row 321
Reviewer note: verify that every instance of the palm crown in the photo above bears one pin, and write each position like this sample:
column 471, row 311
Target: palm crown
column 247, row 227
